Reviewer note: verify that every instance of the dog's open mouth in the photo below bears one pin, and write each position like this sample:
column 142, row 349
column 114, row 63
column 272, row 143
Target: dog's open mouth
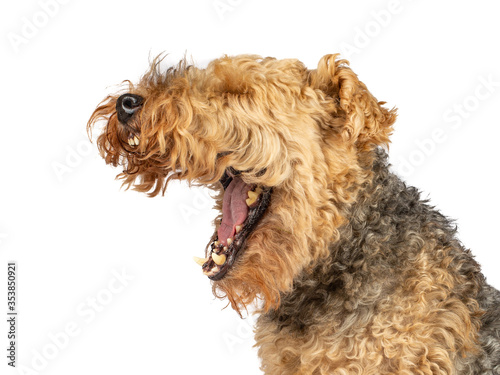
column 242, row 207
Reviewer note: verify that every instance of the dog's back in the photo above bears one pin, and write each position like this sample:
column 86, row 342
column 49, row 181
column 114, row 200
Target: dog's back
column 399, row 294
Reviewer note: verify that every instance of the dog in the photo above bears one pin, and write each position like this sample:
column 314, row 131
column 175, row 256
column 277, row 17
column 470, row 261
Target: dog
column 354, row 273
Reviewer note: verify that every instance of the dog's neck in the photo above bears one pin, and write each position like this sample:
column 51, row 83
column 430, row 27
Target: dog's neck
column 334, row 282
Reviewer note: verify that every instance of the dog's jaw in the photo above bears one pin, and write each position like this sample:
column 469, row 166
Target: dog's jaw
column 243, row 206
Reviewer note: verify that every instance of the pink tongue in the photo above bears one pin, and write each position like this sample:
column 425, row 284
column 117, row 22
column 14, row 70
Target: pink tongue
column 234, row 209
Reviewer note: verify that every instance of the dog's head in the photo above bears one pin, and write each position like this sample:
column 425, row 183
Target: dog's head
column 286, row 148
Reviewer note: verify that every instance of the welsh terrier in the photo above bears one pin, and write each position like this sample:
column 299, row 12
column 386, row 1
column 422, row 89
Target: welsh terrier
column 352, row 271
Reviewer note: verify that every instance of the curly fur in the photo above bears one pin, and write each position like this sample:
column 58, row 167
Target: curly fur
column 356, row 273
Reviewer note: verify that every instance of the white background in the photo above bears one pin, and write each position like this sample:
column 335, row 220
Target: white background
column 72, row 233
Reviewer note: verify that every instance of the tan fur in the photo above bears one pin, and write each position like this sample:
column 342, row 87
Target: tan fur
column 345, row 287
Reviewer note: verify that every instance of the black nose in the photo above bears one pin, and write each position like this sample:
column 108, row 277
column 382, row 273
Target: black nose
column 127, row 105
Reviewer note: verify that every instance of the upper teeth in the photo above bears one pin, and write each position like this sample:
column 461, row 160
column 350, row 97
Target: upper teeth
column 252, row 196
column 133, row 141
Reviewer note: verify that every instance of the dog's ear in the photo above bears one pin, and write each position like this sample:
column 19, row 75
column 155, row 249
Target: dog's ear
column 365, row 121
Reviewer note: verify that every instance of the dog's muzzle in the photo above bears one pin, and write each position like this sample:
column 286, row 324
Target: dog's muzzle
column 127, row 105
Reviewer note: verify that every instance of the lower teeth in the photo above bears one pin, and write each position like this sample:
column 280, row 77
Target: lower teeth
column 219, row 259
column 199, row 261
